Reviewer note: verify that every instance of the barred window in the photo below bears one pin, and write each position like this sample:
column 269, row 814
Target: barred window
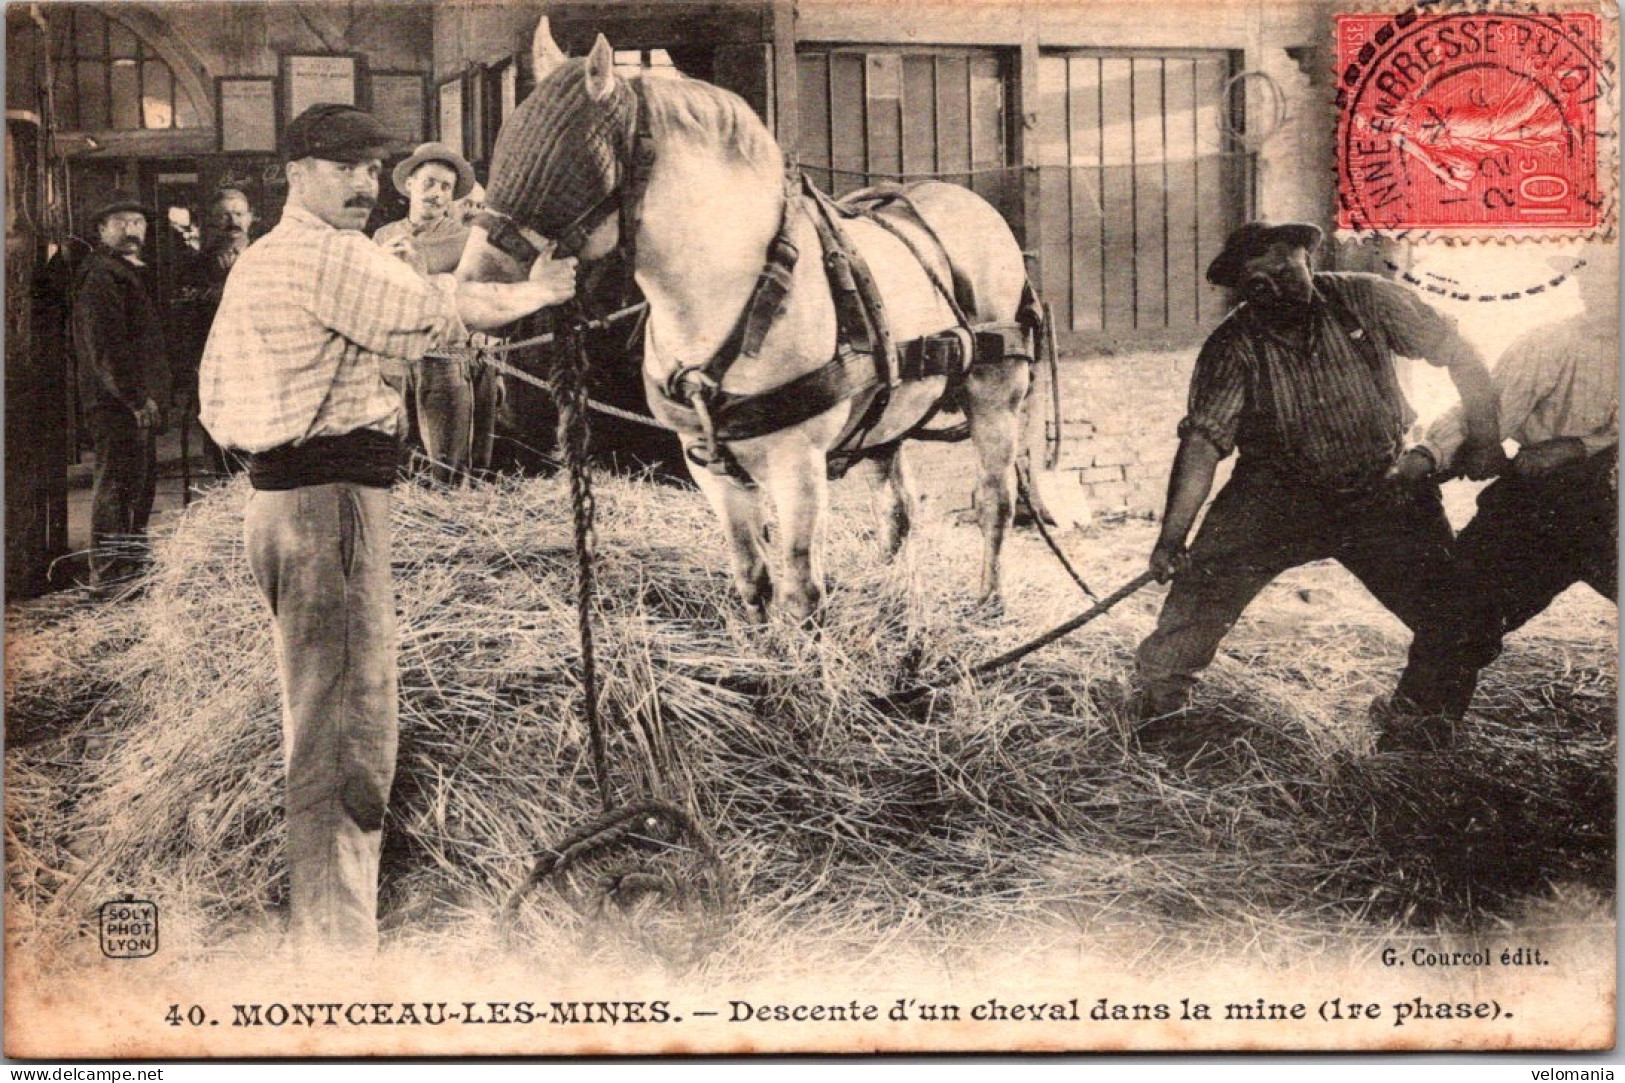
column 109, row 79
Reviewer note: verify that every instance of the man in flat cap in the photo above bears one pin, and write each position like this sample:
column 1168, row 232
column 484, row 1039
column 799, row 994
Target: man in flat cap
column 1300, row 378
column 122, row 357
column 1551, row 520
column 440, row 390
column 293, row 376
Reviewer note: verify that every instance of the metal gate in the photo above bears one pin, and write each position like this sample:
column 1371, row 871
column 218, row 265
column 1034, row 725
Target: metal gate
column 1141, row 178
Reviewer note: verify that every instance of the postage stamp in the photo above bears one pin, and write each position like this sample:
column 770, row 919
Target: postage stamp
column 1472, row 122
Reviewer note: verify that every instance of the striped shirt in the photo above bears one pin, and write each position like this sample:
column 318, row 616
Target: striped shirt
column 308, row 318
column 1325, row 406
column 1561, row 380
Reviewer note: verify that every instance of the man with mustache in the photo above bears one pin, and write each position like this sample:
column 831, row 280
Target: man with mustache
column 226, row 232
column 1300, row 378
column 122, row 358
column 440, row 390
column 293, row 375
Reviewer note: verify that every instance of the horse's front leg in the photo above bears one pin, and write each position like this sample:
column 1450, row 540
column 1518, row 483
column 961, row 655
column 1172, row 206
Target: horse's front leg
column 994, row 396
column 740, row 510
column 794, row 477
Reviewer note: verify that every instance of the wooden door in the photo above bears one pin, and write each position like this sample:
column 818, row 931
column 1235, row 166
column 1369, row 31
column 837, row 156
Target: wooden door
column 871, row 114
column 1139, row 184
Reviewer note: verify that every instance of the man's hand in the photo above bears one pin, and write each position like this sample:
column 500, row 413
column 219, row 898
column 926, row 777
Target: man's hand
column 1480, row 461
column 491, row 306
column 150, row 416
column 1168, row 559
column 1413, row 468
column 1538, row 460
column 400, row 247
column 557, row 276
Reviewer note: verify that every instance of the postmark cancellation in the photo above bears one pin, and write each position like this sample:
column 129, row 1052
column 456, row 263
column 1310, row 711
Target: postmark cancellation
column 1477, row 122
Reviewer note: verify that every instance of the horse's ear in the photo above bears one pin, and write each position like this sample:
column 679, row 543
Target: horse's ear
column 545, row 54
column 600, row 69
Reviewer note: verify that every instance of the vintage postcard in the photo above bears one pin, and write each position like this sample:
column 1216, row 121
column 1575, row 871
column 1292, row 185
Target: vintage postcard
column 825, row 526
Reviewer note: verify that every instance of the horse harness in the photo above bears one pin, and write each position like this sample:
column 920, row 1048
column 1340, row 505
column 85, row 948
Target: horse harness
column 868, row 363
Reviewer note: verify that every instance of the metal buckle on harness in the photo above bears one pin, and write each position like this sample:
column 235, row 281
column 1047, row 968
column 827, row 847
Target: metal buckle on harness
column 692, row 385
column 688, row 381
column 945, row 353
column 998, row 342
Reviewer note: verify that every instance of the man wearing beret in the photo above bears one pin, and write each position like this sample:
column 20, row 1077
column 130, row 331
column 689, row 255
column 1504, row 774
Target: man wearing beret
column 293, row 375
column 120, row 349
column 1300, row 379
column 440, row 391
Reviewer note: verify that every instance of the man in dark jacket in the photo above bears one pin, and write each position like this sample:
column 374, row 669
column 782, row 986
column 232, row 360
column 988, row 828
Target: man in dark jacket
column 227, row 231
column 120, row 349
column 1301, row 379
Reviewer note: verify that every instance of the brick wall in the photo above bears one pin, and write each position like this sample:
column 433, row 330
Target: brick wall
column 1118, row 420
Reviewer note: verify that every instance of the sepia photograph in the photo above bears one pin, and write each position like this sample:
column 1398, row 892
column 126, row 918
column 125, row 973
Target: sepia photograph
column 552, row 528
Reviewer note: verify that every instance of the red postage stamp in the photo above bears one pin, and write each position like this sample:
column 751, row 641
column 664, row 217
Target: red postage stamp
column 1471, row 122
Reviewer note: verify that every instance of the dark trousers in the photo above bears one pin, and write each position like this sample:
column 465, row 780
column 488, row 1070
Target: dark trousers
column 1397, row 543
column 126, row 479
column 1531, row 539
column 488, row 395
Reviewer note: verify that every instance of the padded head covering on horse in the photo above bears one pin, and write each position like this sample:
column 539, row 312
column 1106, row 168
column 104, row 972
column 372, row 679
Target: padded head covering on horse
column 561, row 157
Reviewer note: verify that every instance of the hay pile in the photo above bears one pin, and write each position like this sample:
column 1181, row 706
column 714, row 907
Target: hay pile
column 145, row 741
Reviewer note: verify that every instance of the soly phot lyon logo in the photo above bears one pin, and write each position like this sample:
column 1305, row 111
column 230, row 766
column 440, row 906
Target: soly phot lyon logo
column 128, row 928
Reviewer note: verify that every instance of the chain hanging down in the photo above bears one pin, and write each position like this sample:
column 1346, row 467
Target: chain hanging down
column 648, row 858
column 574, row 436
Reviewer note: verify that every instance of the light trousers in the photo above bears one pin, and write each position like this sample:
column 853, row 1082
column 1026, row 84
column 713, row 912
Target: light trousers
column 320, row 555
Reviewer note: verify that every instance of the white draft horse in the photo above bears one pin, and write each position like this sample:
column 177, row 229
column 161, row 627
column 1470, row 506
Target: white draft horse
column 713, row 199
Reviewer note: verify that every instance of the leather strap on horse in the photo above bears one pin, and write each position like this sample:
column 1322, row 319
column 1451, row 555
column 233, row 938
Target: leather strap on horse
column 876, row 202
column 860, row 314
column 692, row 398
column 640, row 165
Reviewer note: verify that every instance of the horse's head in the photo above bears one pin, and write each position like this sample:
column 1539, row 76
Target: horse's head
column 560, row 166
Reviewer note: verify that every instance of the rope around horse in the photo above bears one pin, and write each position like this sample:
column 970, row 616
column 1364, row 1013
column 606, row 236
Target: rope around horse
column 581, row 323
column 490, row 355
